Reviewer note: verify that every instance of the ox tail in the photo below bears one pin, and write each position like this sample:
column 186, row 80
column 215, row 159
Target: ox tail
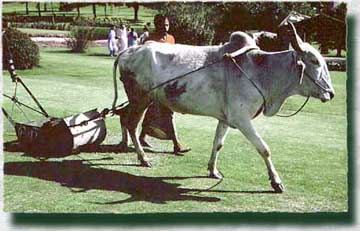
column 117, row 108
column 115, row 81
column 114, row 78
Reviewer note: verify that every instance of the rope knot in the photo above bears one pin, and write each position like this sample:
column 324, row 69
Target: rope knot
column 227, row 56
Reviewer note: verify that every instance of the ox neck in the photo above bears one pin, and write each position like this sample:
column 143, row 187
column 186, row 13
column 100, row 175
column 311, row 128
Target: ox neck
column 279, row 83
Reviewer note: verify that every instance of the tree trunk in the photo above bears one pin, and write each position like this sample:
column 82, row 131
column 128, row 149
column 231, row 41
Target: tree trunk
column 52, row 7
column 78, row 11
column 27, row 7
column 338, row 52
column 45, row 7
column 94, row 9
column 39, row 9
column 105, row 6
column 136, row 10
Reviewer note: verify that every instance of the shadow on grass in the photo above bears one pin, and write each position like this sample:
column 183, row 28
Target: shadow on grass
column 13, row 146
column 83, row 177
column 60, row 51
column 107, row 148
column 101, row 55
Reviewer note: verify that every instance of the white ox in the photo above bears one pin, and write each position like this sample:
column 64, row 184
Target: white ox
column 220, row 90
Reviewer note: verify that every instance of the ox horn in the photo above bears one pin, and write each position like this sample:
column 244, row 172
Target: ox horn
column 295, row 39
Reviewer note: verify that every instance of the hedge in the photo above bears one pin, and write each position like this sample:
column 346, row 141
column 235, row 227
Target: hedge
column 25, row 52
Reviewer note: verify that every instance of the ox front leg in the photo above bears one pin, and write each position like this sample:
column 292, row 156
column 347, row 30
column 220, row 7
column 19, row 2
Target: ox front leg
column 221, row 132
column 251, row 134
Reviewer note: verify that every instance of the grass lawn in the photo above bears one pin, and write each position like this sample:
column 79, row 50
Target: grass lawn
column 42, row 32
column 309, row 151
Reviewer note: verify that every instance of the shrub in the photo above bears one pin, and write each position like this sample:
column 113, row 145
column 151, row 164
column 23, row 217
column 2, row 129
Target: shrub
column 67, row 26
column 97, row 22
column 79, row 39
column 25, row 52
column 100, row 33
column 191, row 23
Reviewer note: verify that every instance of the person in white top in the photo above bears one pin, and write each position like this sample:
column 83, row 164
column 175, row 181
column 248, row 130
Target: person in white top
column 112, row 41
column 121, row 33
column 144, row 35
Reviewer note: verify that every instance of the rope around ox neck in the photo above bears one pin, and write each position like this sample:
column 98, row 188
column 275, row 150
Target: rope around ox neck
column 258, row 88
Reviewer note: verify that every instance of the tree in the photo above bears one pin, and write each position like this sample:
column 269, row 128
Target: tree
column 71, row 6
column 27, row 8
column 78, row 10
column 191, row 23
column 330, row 27
column 340, row 13
column 247, row 16
column 94, row 9
column 135, row 6
column 39, row 9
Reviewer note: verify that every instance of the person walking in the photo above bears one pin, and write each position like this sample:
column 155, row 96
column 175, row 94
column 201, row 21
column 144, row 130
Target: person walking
column 144, row 35
column 121, row 33
column 132, row 38
column 112, row 41
column 159, row 121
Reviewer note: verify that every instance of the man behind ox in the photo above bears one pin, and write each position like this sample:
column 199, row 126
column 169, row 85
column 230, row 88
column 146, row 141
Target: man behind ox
column 159, row 121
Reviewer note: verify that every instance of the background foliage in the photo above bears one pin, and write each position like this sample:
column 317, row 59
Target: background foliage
column 191, row 23
column 25, row 52
column 80, row 37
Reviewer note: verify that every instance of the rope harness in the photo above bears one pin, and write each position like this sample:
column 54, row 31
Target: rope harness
column 258, row 88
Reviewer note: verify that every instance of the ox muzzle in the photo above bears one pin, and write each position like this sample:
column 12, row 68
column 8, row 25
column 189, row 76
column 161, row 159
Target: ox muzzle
column 327, row 92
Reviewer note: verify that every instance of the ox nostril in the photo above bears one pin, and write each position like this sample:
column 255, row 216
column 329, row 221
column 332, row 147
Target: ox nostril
column 332, row 94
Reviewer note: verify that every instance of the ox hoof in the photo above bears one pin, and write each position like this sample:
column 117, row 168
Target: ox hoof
column 278, row 187
column 144, row 163
column 215, row 175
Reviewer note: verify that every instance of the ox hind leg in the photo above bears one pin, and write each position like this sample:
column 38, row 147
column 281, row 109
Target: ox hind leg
column 130, row 117
column 251, row 134
column 220, row 135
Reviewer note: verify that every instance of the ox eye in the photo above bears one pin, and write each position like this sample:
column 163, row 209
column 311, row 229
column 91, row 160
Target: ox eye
column 315, row 62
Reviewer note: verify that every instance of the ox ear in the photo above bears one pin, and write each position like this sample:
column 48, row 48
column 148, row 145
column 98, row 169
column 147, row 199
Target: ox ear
column 295, row 39
column 301, row 68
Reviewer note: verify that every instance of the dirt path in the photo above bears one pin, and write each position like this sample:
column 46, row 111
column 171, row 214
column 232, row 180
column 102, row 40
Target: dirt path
column 60, row 42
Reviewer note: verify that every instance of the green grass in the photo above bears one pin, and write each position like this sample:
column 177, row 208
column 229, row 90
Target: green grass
column 42, row 32
column 309, row 151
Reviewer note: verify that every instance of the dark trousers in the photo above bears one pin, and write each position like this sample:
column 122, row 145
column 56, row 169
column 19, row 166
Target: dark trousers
column 159, row 122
